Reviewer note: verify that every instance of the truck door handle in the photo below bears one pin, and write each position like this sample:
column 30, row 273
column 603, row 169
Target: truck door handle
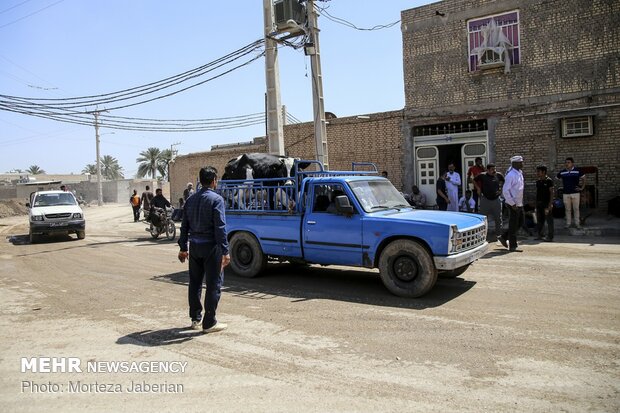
column 311, row 222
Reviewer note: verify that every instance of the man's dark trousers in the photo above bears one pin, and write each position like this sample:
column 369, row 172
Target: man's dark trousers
column 515, row 221
column 542, row 218
column 205, row 263
column 136, row 213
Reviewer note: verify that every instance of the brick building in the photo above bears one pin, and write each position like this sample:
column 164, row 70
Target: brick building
column 553, row 91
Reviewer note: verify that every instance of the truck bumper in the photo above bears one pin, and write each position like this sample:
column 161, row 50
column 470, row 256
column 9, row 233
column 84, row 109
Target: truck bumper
column 57, row 227
column 462, row 259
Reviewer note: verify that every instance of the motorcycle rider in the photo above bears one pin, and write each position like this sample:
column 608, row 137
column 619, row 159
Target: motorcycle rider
column 158, row 201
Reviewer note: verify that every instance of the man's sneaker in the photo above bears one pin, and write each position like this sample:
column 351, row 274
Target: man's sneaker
column 502, row 241
column 214, row 329
column 196, row 325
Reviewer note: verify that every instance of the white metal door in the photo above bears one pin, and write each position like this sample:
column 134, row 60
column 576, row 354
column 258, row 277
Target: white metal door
column 469, row 153
column 427, row 159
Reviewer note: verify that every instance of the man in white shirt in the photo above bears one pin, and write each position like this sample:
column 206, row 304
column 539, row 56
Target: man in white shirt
column 453, row 181
column 513, row 199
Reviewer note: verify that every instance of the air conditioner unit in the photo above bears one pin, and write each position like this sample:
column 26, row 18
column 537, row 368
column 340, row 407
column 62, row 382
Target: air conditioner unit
column 491, row 59
column 289, row 15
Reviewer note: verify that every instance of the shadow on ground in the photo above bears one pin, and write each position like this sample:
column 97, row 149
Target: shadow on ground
column 328, row 283
column 21, row 240
column 159, row 337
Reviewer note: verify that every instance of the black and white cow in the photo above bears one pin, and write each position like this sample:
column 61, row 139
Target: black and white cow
column 263, row 165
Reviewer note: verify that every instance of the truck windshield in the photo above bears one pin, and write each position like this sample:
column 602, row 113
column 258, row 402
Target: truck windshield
column 65, row 198
column 377, row 195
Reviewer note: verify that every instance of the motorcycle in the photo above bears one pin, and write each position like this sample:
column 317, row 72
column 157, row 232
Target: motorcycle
column 163, row 223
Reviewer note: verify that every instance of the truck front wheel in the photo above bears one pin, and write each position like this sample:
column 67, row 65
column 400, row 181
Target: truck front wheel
column 246, row 256
column 407, row 269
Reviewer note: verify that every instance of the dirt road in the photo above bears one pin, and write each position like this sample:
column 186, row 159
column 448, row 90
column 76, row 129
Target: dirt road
column 531, row 331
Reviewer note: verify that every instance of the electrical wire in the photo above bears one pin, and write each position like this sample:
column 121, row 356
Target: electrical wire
column 87, row 102
column 66, row 109
column 12, row 7
column 31, row 14
column 323, row 10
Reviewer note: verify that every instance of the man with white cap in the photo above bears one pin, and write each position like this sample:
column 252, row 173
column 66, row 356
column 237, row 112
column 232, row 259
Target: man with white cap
column 189, row 191
column 513, row 199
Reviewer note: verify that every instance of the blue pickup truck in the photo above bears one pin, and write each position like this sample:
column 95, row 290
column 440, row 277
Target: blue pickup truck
column 351, row 218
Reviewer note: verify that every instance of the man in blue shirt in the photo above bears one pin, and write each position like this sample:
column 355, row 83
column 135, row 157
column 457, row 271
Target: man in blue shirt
column 572, row 183
column 204, row 226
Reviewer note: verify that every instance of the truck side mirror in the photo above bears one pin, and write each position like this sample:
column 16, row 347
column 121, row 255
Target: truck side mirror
column 27, row 204
column 343, row 205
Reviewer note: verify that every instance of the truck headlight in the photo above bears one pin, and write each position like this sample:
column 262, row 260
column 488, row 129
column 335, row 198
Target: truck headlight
column 77, row 215
column 37, row 218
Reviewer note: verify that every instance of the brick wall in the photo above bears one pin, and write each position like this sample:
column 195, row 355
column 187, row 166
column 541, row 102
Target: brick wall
column 377, row 139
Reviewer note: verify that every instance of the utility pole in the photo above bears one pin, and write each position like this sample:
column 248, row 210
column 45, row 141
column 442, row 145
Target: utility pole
column 99, row 187
column 275, row 133
column 320, row 125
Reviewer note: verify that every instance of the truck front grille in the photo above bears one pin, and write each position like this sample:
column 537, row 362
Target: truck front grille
column 57, row 216
column 468, row 239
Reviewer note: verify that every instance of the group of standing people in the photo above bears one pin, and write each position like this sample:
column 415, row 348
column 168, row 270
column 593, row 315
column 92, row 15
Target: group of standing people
column 491, row 187
column 148, row 200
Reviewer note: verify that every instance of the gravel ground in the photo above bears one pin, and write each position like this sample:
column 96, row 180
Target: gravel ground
column 532, row 331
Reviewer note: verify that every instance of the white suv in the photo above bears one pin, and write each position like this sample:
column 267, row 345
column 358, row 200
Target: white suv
column 54, row 212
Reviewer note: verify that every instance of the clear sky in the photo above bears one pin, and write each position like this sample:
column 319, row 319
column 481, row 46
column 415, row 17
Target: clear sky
column 69, row 48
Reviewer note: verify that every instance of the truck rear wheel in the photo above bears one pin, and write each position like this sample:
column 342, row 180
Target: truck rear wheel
column 453, row 273
column 407, row 269
column 246, row 255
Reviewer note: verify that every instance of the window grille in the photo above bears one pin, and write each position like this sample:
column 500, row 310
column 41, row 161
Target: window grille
column 509, row 23
column 578, row 126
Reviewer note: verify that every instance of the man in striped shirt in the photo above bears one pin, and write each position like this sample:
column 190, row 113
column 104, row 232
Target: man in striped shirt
column 513, row 199
column 572, row 185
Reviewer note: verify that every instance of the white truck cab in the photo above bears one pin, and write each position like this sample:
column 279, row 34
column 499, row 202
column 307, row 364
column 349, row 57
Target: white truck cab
column 55, row 212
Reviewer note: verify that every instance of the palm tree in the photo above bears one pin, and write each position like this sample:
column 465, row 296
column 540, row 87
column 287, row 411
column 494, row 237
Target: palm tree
column 35, row 170
column 148, row 162
column 110, row 169
column 163, row 163
column 91, row 169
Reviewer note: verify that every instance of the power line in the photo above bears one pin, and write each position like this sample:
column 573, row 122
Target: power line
column 78, row 110
column 87, row 102
column 12, row 7
column 347, row 23
column 31, row 14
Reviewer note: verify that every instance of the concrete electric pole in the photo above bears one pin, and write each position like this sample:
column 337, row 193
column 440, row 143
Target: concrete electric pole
column 320, row 125
column 275, row 133
column 99, row 187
